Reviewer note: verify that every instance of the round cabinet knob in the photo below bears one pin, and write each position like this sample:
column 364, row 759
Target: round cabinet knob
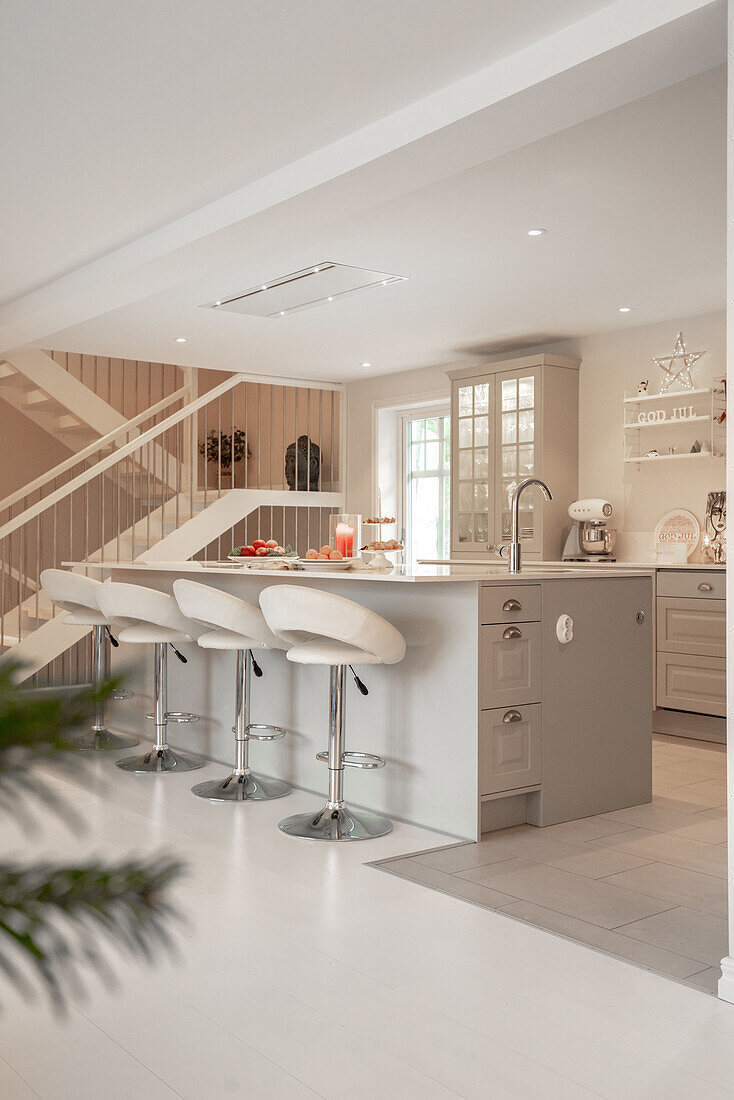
column 564, row 629
column 640, row 617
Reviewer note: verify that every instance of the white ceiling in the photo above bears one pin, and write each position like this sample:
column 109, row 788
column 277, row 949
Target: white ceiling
column 118, row 118
column 630, row 185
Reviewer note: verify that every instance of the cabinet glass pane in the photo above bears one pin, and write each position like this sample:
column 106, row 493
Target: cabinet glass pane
column 465, row 433
column 527, row 393
column 466, row 467
column 509, row 394
column 526, row 460
column 481, row 527
column 481, row 496
column 508, row 488
column 466, row 528
column 465, row 400
column 481, row 463
column 509, row 427
column 526, row 426
column 466, row 496
column 481, row 431
column 481, row 398
column 509, row 461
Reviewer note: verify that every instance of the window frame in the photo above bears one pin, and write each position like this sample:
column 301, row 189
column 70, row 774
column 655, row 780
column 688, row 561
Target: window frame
column 431, row 410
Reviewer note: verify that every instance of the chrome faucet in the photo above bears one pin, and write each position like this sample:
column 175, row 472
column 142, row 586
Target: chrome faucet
column 515, row 549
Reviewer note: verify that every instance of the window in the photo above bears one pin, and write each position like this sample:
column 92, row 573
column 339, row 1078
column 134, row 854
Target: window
column 427, row 484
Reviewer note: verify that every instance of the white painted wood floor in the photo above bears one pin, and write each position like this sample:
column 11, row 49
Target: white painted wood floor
column 303, row 972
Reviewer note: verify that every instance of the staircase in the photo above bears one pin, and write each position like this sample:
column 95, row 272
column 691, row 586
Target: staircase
column 132, row 494
column 48, row 395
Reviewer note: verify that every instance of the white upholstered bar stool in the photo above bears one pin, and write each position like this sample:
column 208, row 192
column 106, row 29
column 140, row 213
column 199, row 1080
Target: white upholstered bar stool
column 235, row 625
column 77, row 595
column 146, row 615
column 324, row 629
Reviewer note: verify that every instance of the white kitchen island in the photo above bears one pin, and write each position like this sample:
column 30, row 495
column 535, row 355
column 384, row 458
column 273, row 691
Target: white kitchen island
column 479, row 728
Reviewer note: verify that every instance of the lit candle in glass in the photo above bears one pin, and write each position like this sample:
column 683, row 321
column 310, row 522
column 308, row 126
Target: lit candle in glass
column 344, row 538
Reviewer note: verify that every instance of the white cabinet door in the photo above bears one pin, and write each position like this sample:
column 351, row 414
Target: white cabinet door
column 509, row 749
column 517, row 454
column 509, row 665
column 472, row 451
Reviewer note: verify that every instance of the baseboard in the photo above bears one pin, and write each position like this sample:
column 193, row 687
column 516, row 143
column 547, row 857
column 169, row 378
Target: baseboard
column 726, row 981
column 681, row 723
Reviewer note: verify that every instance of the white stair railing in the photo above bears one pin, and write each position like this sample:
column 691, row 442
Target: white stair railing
column 147, row 486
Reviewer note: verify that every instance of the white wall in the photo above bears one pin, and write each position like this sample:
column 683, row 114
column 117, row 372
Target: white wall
column 612, row 363
column 363, row 402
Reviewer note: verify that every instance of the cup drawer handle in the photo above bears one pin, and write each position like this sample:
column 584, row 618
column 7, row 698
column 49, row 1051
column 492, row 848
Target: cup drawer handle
column 511, row 632
column 512, row 716
column 512, row 605
column 705, row 587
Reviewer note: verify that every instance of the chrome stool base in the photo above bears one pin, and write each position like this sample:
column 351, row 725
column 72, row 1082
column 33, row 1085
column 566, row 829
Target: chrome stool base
column 101, row 740
column 336, row 823
column 161, row 760
column 242, row 788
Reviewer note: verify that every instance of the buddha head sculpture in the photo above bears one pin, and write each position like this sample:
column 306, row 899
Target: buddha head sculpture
column 303, row 465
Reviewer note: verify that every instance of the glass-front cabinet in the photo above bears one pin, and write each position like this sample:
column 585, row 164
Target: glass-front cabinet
column 510, row 421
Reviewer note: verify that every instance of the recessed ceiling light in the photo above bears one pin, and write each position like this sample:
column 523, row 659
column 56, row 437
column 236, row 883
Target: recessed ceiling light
column 218, row 302
column 264, row 286
column 282, row 313
column 365, row 364
column 625, row 309
column 329, row 299
column 180, row 339
column 536, row 232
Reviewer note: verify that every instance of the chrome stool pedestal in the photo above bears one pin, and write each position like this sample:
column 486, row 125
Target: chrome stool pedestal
column 99, row 738
column 242, row 785
column 161, row 758
column 336, row 820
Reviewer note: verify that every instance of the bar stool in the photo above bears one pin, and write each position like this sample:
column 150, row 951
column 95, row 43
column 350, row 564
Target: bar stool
column 236, row 625
column 77, row 595
column 324, row 629
column 146, row 615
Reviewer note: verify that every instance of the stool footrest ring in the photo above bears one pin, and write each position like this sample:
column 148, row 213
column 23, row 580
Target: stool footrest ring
column 176, row 716
column 270, row 733
column 355, row 759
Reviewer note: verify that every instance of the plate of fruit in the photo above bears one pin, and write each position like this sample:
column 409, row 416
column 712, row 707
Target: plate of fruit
column 264, row 553
column 326, row 560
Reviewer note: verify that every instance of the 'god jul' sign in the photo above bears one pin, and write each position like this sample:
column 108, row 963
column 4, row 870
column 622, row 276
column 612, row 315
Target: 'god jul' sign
column 656, row 416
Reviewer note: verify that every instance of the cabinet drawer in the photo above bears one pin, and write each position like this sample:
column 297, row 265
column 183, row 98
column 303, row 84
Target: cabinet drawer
column 692, row 583
column 509, row 665
column 509, row 748
column 692, row 626
column 498, row 603
column 689, row 682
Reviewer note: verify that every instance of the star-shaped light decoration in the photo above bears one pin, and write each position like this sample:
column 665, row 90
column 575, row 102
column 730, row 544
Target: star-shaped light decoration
column 677, row 367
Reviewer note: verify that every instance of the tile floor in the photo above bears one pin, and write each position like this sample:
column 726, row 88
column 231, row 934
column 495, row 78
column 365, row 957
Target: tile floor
column 300, row 971
column 647, row 884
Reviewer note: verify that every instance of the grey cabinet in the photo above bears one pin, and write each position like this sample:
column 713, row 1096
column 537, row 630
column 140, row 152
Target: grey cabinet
column 510, row 665
column 691, row 641
column 511, row 420
column 509, row 749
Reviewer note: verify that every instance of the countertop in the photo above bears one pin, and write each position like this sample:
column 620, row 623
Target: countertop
column 647, row 566
column 492, row 574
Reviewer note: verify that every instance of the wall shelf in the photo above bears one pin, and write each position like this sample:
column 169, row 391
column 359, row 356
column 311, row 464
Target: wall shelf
column 641, row 398
column 666, row 423
column 707, row 405
column 668, row 458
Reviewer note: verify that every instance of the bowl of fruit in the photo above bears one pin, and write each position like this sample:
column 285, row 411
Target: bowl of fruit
column 326, row 560
column 264, row 554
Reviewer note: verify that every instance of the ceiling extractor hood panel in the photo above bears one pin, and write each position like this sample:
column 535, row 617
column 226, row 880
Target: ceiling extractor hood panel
column 317, row 285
